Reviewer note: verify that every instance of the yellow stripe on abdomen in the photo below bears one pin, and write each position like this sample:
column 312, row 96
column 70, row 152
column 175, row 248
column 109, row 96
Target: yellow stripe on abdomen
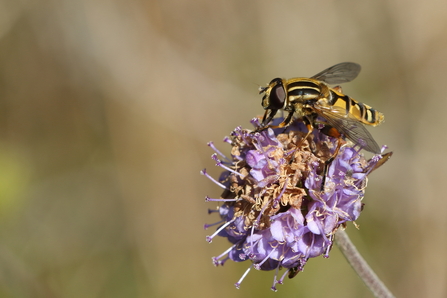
column 361, row 111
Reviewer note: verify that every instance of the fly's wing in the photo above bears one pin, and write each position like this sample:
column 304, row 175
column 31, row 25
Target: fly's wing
column 339, row 73
column 349, row 126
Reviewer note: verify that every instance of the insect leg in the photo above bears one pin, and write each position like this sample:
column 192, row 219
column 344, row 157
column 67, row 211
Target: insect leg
column 310, row 128
column 268, row 118
column 286, row 121
column 338, row 89
column 328, row 162
column 293, row 272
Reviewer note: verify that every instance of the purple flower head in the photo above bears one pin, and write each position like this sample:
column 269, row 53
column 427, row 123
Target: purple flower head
column 275, row 211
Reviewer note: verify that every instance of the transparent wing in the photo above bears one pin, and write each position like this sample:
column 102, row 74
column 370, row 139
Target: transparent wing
column 349, row 126
column 339, row 73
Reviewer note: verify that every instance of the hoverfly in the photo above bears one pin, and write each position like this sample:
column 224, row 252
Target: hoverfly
column 312, row 100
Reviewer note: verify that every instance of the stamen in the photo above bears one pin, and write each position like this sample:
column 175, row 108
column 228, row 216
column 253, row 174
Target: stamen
column 257, row 142
column 302, row 263
column 211, row 144
column 376, row 158
column 372, row 163
column 278, row 198
column 204, row 173
column 212, row 210
column 255, row 122
column 206, row 226
column 257, row 266
column 329, row 247
column 238, row 158
column 208, row 199
column 236, row 131
column 210, row 238
column 227, row 140
column 220, row 164
column 357, row 149
column 238, row 284
column 251, row 238
column 268, row 180
column 261, row 212
column 311, row 244
column 261, row 193
column 275, row 279
column 319, row 224
column 281, row 280
column 224, row 260
column 218, row 262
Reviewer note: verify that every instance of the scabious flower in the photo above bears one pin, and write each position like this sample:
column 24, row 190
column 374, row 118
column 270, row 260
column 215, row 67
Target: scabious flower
column 275, row 211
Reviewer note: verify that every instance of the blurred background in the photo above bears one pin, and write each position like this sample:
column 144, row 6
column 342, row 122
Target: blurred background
column 106, row 108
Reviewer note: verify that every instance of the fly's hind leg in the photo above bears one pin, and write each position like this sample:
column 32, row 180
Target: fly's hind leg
column 328, row 162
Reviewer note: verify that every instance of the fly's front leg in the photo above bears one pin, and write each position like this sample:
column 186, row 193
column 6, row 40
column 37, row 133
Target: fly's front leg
column 285, row 122
column 268, row 116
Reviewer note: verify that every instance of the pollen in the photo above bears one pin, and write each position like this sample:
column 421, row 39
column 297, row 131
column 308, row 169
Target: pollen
column 274, row 209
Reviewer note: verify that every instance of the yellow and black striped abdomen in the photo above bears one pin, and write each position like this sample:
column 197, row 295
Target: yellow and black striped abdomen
column 361, row 111
column 302, row 89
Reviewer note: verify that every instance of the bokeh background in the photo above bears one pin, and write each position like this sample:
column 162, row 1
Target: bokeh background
column 106, row 108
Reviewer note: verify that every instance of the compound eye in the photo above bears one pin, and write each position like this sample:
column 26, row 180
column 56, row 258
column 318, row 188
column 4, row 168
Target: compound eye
column 277, row 96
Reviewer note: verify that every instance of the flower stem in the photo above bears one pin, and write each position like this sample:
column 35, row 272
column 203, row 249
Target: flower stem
column 360, row 266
